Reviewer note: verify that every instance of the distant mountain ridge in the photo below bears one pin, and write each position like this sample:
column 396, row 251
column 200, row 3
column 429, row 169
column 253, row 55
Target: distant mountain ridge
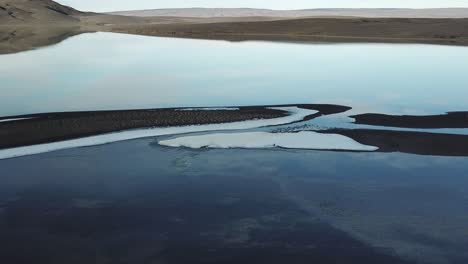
column 323, row 12
column 36, row 11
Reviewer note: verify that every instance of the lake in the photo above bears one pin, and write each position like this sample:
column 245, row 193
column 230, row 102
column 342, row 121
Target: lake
column 137, row 201
column 117, row 71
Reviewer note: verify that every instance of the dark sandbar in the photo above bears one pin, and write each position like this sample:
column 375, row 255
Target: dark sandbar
column 449, row 120
column 408, row 142
column 53, row 127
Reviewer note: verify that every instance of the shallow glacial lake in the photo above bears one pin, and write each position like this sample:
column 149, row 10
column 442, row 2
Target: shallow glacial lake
column 117, row 71
column 139, row 202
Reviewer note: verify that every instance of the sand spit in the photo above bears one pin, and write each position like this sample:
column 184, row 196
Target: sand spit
column 209, row 109
column 14, row 119
column 51, row 127
column 408, row 142
column 38, row 133
column 282, row 115
column 448, row 120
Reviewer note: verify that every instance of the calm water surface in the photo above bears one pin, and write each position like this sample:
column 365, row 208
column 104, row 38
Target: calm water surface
column 116, row 71
column 138, row 202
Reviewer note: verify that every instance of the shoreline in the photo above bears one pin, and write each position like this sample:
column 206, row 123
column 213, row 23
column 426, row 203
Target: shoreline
column 419, row 143
column 44, row 132
column 65, row 137
column 34, row 129
column 435, row 31
column 296, row 38
column 52, row 127
column 448, row 120
column 339, row 29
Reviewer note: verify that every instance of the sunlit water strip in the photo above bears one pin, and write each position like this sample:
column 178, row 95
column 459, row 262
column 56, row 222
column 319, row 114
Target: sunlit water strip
column 259, row 139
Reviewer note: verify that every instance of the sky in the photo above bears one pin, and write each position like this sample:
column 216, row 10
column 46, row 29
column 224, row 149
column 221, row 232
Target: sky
column 115, row 5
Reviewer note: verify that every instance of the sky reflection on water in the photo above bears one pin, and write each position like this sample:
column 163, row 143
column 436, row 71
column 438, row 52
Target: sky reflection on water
column 117, row 71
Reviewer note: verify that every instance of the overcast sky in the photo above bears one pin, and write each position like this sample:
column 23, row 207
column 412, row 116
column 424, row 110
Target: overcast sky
column 113, row 5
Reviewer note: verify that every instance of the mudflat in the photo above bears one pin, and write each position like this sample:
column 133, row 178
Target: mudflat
column 51, row 127
column 420, row 143
column 16, row 131
column 449, row 120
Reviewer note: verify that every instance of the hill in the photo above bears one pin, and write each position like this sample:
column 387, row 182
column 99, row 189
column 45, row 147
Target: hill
column 250, row 12
column 17, row 12
column 28, row 24
column 417, row 30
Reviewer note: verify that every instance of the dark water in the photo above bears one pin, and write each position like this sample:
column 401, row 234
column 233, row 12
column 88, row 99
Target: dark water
column 137, row 202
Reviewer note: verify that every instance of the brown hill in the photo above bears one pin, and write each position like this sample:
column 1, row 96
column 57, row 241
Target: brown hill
column 418, row 30
column 327, row 12
column 17, row 12
column 27, row 24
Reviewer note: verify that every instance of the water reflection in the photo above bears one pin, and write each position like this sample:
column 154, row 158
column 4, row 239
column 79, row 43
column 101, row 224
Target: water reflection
column 116, row 71
column 223, row 203
column 138, row 202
